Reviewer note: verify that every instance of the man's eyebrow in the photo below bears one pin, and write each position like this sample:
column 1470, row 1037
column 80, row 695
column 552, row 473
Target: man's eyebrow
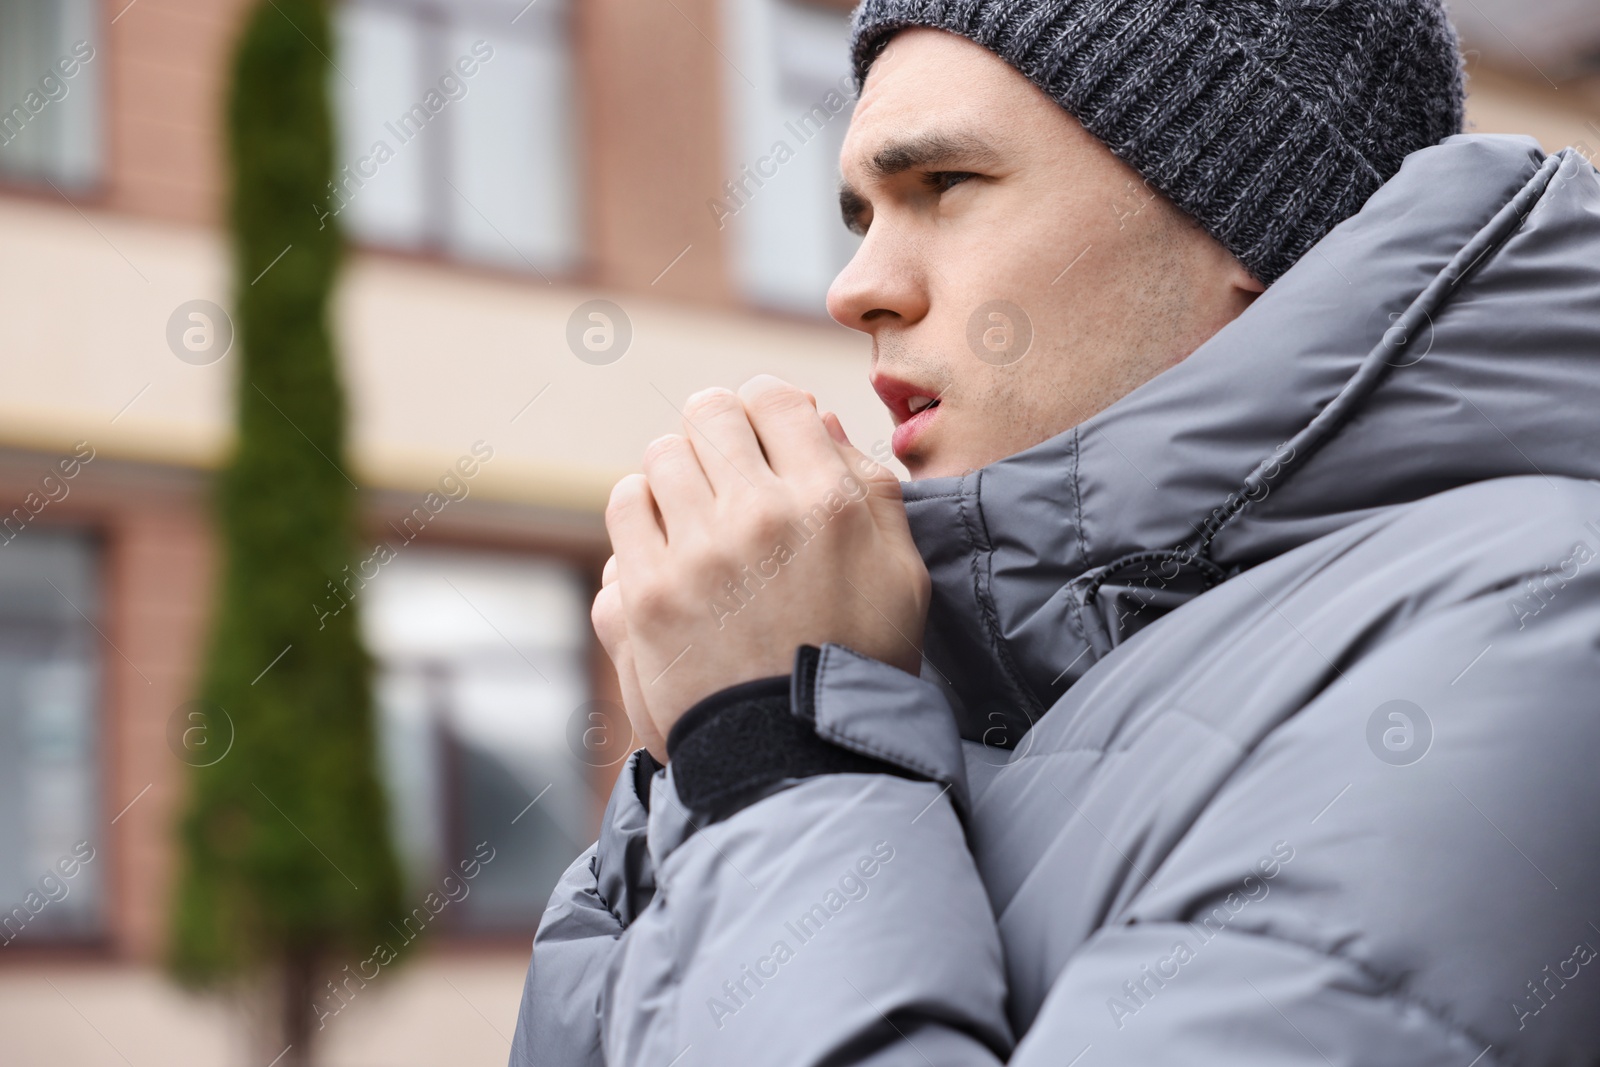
column 928, row 150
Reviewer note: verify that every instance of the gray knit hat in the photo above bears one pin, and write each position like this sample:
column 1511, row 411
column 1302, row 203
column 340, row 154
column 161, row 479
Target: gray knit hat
column 1268, row 121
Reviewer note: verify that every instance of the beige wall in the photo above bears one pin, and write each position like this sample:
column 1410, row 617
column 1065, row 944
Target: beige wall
column 437, row 355
column 1497, row 102
column 435, row 358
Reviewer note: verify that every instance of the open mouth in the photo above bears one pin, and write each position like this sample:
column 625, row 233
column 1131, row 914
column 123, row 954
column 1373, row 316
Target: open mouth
column 920, row 413
column 914, row 407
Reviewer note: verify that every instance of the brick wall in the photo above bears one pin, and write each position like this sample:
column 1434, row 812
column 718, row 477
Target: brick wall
column 166, row 63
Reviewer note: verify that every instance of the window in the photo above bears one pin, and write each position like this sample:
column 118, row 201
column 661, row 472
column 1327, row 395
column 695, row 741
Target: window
column 790, row 102
column 50, row 91
column 51, row 836
column 456, row 130
column 483, row 663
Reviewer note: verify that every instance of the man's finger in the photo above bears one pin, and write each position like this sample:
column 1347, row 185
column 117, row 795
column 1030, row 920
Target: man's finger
column 643, row 727
column 884, row 496
column 678, row 484
column 611, row 627
column 787, row 424
column 605, row 615
column 631, row 521
column 716, row 424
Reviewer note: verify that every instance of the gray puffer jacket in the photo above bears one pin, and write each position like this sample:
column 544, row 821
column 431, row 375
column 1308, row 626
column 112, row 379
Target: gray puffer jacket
column 1259, row 722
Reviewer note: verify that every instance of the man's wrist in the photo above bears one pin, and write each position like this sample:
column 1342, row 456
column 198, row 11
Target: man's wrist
column 738, row 744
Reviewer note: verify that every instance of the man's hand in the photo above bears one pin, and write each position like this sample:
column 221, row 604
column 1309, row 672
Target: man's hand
column 611, row 628
column 758, row 530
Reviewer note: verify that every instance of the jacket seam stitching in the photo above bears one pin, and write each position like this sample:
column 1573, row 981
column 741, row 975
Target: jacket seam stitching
column 1074, row 601
column 982, row 562
column 1351, row 398
column 865, row 748
column 829, row 732
column 1392, row 986
column 599, row 894
column 1077, row 500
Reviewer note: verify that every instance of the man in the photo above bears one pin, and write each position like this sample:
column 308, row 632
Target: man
column 1222, row 688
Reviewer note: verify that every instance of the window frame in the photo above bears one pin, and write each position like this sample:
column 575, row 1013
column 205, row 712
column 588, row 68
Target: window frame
column 581, row 269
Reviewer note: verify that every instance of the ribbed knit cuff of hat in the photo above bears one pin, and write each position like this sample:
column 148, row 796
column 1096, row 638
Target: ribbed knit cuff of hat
column 1268, row 123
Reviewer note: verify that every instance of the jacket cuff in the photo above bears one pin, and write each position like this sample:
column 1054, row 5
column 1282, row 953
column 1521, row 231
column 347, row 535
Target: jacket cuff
column 738, row 745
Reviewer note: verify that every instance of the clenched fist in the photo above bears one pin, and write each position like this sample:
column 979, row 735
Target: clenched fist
column 759, row 529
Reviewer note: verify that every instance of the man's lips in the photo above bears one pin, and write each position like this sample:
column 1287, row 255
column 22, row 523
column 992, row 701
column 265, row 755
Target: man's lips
column 907, row 433
column 913, row 408
column 904, row 399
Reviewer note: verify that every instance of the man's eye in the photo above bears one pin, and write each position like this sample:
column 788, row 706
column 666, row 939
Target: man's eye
column 945, row 180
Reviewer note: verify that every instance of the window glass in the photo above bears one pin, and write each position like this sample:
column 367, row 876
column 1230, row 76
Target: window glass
column 511, row 162
column 50, row 62
column 49, row 675
column 456, row 130
column 380, row 189
column 483, row 662
column 790, row 102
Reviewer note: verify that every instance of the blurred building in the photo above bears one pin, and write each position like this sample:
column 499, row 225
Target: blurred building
column 565, row 217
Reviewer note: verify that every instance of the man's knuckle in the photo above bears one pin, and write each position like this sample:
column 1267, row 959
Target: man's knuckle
column 663, row 447
column 653, row 607
column 709, row 403
column 626, row 496
column 603, row 613
column 778, row 400
column 765, row 516
column 654, row 600
column 699, row 553
column 628, row 489
column 768, row 528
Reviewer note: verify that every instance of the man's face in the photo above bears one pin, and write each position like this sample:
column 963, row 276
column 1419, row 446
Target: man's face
column 1013, row 270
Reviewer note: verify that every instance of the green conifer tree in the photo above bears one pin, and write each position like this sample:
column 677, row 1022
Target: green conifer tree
column 287, row 871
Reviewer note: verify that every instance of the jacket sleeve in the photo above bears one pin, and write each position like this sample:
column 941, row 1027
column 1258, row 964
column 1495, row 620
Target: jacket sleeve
column 597, row 898
column 816, row 901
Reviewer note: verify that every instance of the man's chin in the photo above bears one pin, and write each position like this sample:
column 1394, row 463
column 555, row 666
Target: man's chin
column 933, row 463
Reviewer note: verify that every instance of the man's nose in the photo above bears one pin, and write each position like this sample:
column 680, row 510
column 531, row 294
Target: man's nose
column 882, row 282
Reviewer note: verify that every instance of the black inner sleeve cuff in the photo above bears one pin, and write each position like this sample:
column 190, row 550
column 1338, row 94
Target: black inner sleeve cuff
column 730, row 749
column 644, row 769
column 707, row 710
